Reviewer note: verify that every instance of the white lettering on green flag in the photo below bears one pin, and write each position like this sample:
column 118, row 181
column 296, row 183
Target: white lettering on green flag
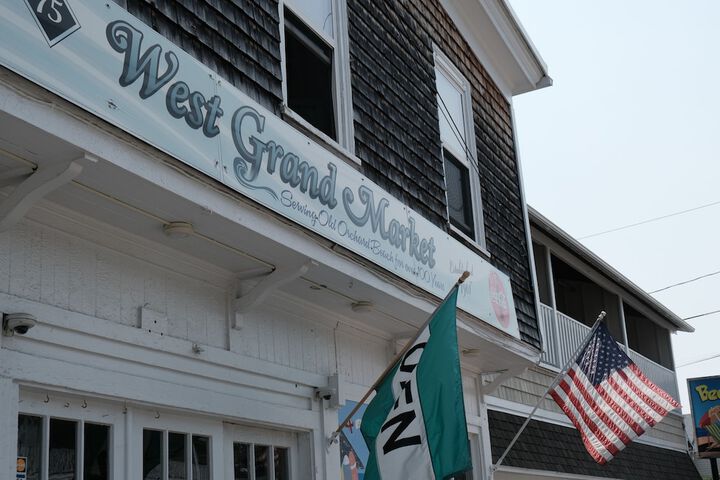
column 415, row 426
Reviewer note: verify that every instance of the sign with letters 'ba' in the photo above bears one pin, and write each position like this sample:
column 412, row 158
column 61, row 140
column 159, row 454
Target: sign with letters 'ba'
column 705, row 406
column 98, row 56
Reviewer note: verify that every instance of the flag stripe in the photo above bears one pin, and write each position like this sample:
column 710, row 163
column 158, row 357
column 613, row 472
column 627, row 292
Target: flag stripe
column 592, row 444
column 634, row 425
column 631, row 417
column 585, row 412
column 639, row 397
column 659, row 391
column 631, row 400
column 585, row 438
column 648, row 395
column 598, row 406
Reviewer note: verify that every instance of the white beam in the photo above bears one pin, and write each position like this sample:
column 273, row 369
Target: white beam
column 44, row 180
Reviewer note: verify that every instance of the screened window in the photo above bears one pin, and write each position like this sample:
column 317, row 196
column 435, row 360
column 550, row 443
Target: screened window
column 462, row 180
column 74, row 450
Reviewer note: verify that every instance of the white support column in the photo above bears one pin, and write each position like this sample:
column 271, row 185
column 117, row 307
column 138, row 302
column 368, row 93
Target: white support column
column 9, row 397
column 621, row 314
column 332, row 452
column 485, row 448
column 553, row 304
column 327, row 456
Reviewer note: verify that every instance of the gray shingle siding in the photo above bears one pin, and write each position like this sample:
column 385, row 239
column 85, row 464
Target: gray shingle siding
column 550, row 447
column 238, row 39
column 397, row 133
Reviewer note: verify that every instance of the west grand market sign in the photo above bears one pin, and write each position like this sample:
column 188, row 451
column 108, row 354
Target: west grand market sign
column 101, row 58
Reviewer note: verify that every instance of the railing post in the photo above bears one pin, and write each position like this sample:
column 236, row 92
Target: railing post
column 553, row 304
column 621, row 312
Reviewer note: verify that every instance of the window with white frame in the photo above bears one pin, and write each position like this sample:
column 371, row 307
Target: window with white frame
column 63, row 437
column 260, row 462
column 57, row 448
column 316, row 72
column 267, row 454
column 169, row 455
column 462, row 180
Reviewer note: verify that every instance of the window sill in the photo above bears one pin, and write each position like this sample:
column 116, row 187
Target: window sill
column 479, row 249
column 328, row 143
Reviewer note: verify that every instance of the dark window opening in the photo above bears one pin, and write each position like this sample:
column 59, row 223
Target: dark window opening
column 30, row 446
column 152, row 455
column 96, row 458
column 62, row 456
column 582, row 299
column 309, row 71
column 457, row 180
column 648, row 338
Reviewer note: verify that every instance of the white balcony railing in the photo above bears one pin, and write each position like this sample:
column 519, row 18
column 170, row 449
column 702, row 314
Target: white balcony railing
column 562, row 336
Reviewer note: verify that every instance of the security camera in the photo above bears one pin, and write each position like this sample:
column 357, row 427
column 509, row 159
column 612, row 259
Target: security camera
column 18, row 323
column 326, row 393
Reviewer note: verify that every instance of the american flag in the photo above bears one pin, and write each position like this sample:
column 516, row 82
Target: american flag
column 608, row 398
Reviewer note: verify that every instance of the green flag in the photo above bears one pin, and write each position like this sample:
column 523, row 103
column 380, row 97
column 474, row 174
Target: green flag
column 415, row 426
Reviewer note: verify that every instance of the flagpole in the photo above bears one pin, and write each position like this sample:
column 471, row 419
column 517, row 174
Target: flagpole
column 395, row 360
column 552, row 385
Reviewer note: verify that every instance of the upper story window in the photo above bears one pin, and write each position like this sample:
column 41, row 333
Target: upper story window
column 316, row 71
column 462, row 180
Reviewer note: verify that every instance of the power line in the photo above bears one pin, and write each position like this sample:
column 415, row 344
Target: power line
column 702, row 315
column 655, row 219
column 458, row 134
column 685, row 282
column 705, row 359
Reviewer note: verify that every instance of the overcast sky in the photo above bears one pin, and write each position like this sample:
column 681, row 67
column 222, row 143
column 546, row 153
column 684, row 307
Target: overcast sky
column 630, row 131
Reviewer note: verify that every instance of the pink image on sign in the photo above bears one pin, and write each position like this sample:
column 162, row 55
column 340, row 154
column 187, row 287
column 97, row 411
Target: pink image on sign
column 499, row 300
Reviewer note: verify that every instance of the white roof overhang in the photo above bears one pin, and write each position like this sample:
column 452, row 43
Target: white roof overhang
column 497, row 38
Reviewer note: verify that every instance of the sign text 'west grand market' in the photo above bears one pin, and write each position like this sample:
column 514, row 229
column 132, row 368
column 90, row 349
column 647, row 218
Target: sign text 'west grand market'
column 116, row 67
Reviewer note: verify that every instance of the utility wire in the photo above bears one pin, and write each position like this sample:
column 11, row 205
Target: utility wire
column 456, row 131
column 702, row 315
column 686, row 282
column 650, row 220
column 704, row 359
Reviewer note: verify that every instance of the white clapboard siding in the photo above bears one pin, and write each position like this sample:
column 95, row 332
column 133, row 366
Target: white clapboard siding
column 361, row 357
column 277, row 335
column 43, row 264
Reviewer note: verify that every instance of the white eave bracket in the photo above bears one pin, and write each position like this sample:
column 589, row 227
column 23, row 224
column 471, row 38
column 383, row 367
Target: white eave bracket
column 282, row 275
column 33, row 185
